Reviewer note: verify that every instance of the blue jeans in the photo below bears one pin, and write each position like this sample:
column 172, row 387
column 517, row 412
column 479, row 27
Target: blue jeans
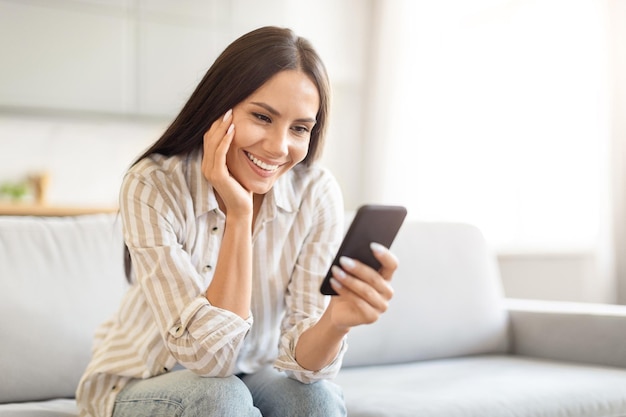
column 266, row 393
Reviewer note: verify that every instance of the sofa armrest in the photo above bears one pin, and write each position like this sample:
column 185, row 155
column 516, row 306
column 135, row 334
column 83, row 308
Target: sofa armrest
column 568, row 331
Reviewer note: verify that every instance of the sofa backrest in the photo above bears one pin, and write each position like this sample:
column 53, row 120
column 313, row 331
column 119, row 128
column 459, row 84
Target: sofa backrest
column 448, row 300
column 59, row 279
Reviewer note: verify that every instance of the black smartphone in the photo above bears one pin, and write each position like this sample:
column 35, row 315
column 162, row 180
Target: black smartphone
column 371, row 223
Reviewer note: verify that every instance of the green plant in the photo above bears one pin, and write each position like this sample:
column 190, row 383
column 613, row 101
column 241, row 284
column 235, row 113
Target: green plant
column 15, row 191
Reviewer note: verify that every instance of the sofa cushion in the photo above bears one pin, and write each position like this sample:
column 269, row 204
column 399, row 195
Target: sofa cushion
column 448, row 300
column 62, row 407
column 484, row 386
column 60, row 278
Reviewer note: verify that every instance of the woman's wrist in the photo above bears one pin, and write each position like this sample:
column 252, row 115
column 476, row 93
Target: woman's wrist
column 330, row 326
column 239, row 220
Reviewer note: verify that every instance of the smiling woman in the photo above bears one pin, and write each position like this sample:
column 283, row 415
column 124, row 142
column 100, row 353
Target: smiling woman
column 229, row 222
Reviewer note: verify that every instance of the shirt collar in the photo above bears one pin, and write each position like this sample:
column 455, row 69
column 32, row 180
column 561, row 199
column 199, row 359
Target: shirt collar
column 283, row 194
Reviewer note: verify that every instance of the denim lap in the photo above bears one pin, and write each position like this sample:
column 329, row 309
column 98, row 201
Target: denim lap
column 276, row 395
column 185, row 394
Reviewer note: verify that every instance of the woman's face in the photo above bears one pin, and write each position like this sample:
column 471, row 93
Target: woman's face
column 272, row 130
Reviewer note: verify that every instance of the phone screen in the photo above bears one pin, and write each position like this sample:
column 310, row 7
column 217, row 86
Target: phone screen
column 372, row 223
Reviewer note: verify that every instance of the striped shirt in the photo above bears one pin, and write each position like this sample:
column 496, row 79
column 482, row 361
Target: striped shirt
column 173, row 228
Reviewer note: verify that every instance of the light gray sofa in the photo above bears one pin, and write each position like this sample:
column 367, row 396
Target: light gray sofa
column 450, row 344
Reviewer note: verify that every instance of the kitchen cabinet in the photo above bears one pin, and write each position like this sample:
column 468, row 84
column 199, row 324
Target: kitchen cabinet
column 65, row 58
column 119, row 57
column 176, row 43
column 145, row 57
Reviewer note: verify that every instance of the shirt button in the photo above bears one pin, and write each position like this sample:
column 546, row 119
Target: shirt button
column 215, row 230
column 207, row 268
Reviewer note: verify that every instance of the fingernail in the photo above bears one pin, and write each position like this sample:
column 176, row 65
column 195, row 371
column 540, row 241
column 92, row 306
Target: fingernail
column 228, row 114
column 347, row 262
column 336, row 283
column 338, row 272
column 377, row 247
column 230, row 129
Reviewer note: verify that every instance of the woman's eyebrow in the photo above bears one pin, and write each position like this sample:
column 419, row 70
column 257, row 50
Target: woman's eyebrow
column 276, row 113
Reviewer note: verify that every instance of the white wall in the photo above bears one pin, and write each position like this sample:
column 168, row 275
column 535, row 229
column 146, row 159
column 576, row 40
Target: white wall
column 568, row 276
column 84, row 157
column 617, row 18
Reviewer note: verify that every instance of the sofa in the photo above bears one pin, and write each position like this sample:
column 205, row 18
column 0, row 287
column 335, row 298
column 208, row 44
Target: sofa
column 450, row 344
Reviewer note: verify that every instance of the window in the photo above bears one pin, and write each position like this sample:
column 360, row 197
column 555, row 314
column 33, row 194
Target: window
column 497, row 114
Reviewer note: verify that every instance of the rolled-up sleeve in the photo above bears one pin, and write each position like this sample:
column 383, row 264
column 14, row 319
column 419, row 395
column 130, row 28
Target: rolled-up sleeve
column 201, row 337
column 304, row 302
column 207, row 339
column 287, row 362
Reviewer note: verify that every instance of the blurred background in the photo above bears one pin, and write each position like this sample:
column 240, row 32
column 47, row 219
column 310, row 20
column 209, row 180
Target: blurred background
column 507, row 114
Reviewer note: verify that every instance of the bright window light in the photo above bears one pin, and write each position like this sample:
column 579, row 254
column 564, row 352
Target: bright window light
column 501, row 119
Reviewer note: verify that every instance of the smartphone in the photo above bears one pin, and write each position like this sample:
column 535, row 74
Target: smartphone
column 371, row 223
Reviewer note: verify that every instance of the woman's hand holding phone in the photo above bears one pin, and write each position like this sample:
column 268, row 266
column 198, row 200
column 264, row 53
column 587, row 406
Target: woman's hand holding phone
column 217, row 141
column 360, row 275
column 363, row 292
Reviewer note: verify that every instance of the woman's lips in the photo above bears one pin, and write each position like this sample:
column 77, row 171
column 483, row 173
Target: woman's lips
column 263, row 165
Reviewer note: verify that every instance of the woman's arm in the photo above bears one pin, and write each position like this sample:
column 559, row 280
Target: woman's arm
column 231, row 286
column 202, row 337
column 202, row 330
column 319, row 227
column 363, row 295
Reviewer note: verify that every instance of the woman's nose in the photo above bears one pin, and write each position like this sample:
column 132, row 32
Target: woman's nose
column 278, row 143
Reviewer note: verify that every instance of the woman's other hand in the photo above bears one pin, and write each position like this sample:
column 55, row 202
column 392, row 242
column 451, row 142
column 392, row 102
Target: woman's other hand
column 217, row 141
column 363, row 293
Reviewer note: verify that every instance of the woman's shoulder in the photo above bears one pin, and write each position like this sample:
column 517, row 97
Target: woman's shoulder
column 167, row 175
column 164, row 183
column 171, row 172
column 156, row 162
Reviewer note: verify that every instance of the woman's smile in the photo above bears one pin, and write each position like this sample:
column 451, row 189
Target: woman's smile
column 263, row 165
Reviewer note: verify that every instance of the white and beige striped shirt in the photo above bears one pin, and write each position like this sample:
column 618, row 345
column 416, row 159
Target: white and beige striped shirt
column 173, row 228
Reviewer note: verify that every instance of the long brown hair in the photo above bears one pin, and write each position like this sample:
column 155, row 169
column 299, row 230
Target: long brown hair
column 242, row 68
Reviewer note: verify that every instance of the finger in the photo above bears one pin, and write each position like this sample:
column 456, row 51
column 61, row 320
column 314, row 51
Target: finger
column 388, row 261
column 214, row 162
column 379, row 300
column 366, row 312
column 368, row 275
column 217, row 130
column 224, row 145
column 217, row 141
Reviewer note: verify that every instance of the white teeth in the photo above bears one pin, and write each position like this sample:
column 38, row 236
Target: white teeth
column 262, row 164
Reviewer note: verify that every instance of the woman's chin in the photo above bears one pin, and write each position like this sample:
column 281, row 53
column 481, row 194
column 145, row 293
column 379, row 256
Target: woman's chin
column 257, row 187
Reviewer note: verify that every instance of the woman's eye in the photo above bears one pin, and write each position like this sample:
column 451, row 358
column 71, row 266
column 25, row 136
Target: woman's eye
column 262, row 117
column 301, row 129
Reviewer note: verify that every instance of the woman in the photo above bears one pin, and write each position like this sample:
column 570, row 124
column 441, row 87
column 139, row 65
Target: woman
column 231, row 226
